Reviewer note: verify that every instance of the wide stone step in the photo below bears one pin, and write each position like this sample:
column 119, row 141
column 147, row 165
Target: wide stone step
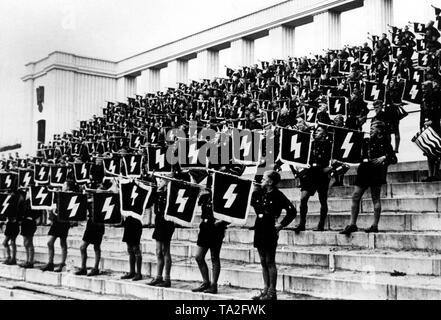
column 395, row 190
column 23, row 290
column 334, row 258
column 108, row 285
column 318, row 282
column 402, row 176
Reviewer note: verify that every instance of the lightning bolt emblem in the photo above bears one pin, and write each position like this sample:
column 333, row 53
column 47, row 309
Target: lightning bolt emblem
column 73, row 206
column 58, row 175
column 416, row 76
column 193, row 153
column 134, row 195
column 365, row 57
column 8, row 181
column 41, row 195
column 132, row 164
column 181, row 200
column 230, row 196
column 245, row 146
column 414, row 91
column 310, row 114
column 27, row 179
column 425, row 60
column 160, row 158
column 112, row 167
column 83, row 170
column 337, row 106
column 375, row 92
column 108, row 208
column 347, row 144
column 296, row 146
column 137, row 142
column 5, row 204
column 41, row 173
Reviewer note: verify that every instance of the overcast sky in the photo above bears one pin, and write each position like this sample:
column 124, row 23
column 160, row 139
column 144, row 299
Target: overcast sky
column 115, row 29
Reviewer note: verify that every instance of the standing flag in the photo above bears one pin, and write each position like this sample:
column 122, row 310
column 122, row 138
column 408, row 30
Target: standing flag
column 8, row 181
column 25, row 178
column 82, row 172
column 75, row 149
column 419, row 28
column 157, row 159
column 192, row 153
column 112, row 166
column 421, row 45
column 134, row 197
column 106, row 208
column 295, row 147
column 133, row 165
column 41, row 198
column 247, row 146
column 58, row 176
column 8, row 206
column 181, row 202
column 310, row 113
column 337, row 105
column 22, row 163
column 424, row 59
column 374, row 91
column 429, row 142
column 49, row 153
column 41, row 174
column 231, row 198
column 413, row 92
column 398, row 51
column 136, row 141
column 365, row 58
column 72, row 206
column 344, row 66
column 347, row 145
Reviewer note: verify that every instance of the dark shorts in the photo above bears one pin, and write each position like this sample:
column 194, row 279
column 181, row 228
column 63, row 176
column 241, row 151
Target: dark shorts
column 369, row 175
column 12, row 229
column 94, row 233
column 28, row 228
column 163, row 230
column 211, row 236
column 132, row 231
column 59, row 229
column 315, row 180
column 265, row 235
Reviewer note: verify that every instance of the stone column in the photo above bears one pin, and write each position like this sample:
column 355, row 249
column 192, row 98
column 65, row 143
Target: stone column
column 379, row 13
column 177, row 71
column 281, row 42
column 242, row 53
column 153, row 81
column 125, row 87
column 29, row 142
column 327, row 31
column 208, row 64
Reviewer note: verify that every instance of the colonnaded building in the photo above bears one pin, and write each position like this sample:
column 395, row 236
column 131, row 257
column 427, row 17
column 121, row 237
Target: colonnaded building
column 402, row 261
column 76, row 87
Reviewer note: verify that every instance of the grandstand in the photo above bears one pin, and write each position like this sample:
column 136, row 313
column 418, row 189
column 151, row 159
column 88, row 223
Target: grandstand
column 403, row 261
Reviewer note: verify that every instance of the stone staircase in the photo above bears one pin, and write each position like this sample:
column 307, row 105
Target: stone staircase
column 402, row 262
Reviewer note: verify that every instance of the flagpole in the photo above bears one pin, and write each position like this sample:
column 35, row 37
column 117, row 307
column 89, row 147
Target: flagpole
column 232, row 175
column 180, row 181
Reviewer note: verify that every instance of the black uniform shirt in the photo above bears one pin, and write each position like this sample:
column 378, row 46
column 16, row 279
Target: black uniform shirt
column 269, row 206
